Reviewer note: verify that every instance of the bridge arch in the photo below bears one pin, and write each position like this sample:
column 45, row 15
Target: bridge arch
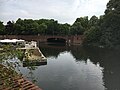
column 56, row 40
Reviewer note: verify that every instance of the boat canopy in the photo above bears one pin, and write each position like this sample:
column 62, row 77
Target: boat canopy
column 12, row 41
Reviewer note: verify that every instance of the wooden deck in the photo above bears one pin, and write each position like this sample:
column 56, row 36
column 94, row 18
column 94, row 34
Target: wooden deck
column 16, row 82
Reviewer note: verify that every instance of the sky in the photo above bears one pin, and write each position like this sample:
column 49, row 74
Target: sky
column 65, row 11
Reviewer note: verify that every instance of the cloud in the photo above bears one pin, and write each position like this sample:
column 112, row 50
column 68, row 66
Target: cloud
column 91, row 7
column 65, row 11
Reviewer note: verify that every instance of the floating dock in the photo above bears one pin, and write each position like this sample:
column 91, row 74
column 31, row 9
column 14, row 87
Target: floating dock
column 34, row 54
column 34, row 57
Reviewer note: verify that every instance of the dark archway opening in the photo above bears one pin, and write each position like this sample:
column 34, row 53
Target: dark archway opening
column 56, row 40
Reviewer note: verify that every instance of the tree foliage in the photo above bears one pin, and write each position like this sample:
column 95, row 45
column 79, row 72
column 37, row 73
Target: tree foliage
column 2, row 28
column 79, row 26
column 111, row 25
column 34, row 27
column 105, row 30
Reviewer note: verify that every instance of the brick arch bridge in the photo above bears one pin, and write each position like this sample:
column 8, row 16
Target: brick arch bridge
column 77, row 39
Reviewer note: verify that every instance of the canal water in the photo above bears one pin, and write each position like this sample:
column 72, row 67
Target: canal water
column 76, row 68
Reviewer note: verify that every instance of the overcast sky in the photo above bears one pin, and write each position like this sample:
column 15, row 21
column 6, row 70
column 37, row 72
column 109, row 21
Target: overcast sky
column 65, row 11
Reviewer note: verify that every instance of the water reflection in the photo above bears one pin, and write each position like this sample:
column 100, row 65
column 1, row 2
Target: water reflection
column 109, row 60
column 102, row 67
column 34, row 63
column 74, row 68
column 54, row 50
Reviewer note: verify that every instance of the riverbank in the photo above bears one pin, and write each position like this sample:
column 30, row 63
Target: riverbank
column 10, row 80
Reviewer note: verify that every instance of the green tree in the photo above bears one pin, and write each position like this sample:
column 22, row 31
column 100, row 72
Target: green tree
column 52, row 27
column 111, row 25
column 42, row 28
column 93, row 21
column 77, row 29
column 113, row 6
column 9, row 28
column 19, row 27
column 84, row 22
column 64, row 29
column 93, row 34
column 2, row 28
column 80, row 26
column 26, row 27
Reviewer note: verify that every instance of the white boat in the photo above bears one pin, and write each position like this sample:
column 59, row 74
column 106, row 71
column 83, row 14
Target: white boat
column 13, row 42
